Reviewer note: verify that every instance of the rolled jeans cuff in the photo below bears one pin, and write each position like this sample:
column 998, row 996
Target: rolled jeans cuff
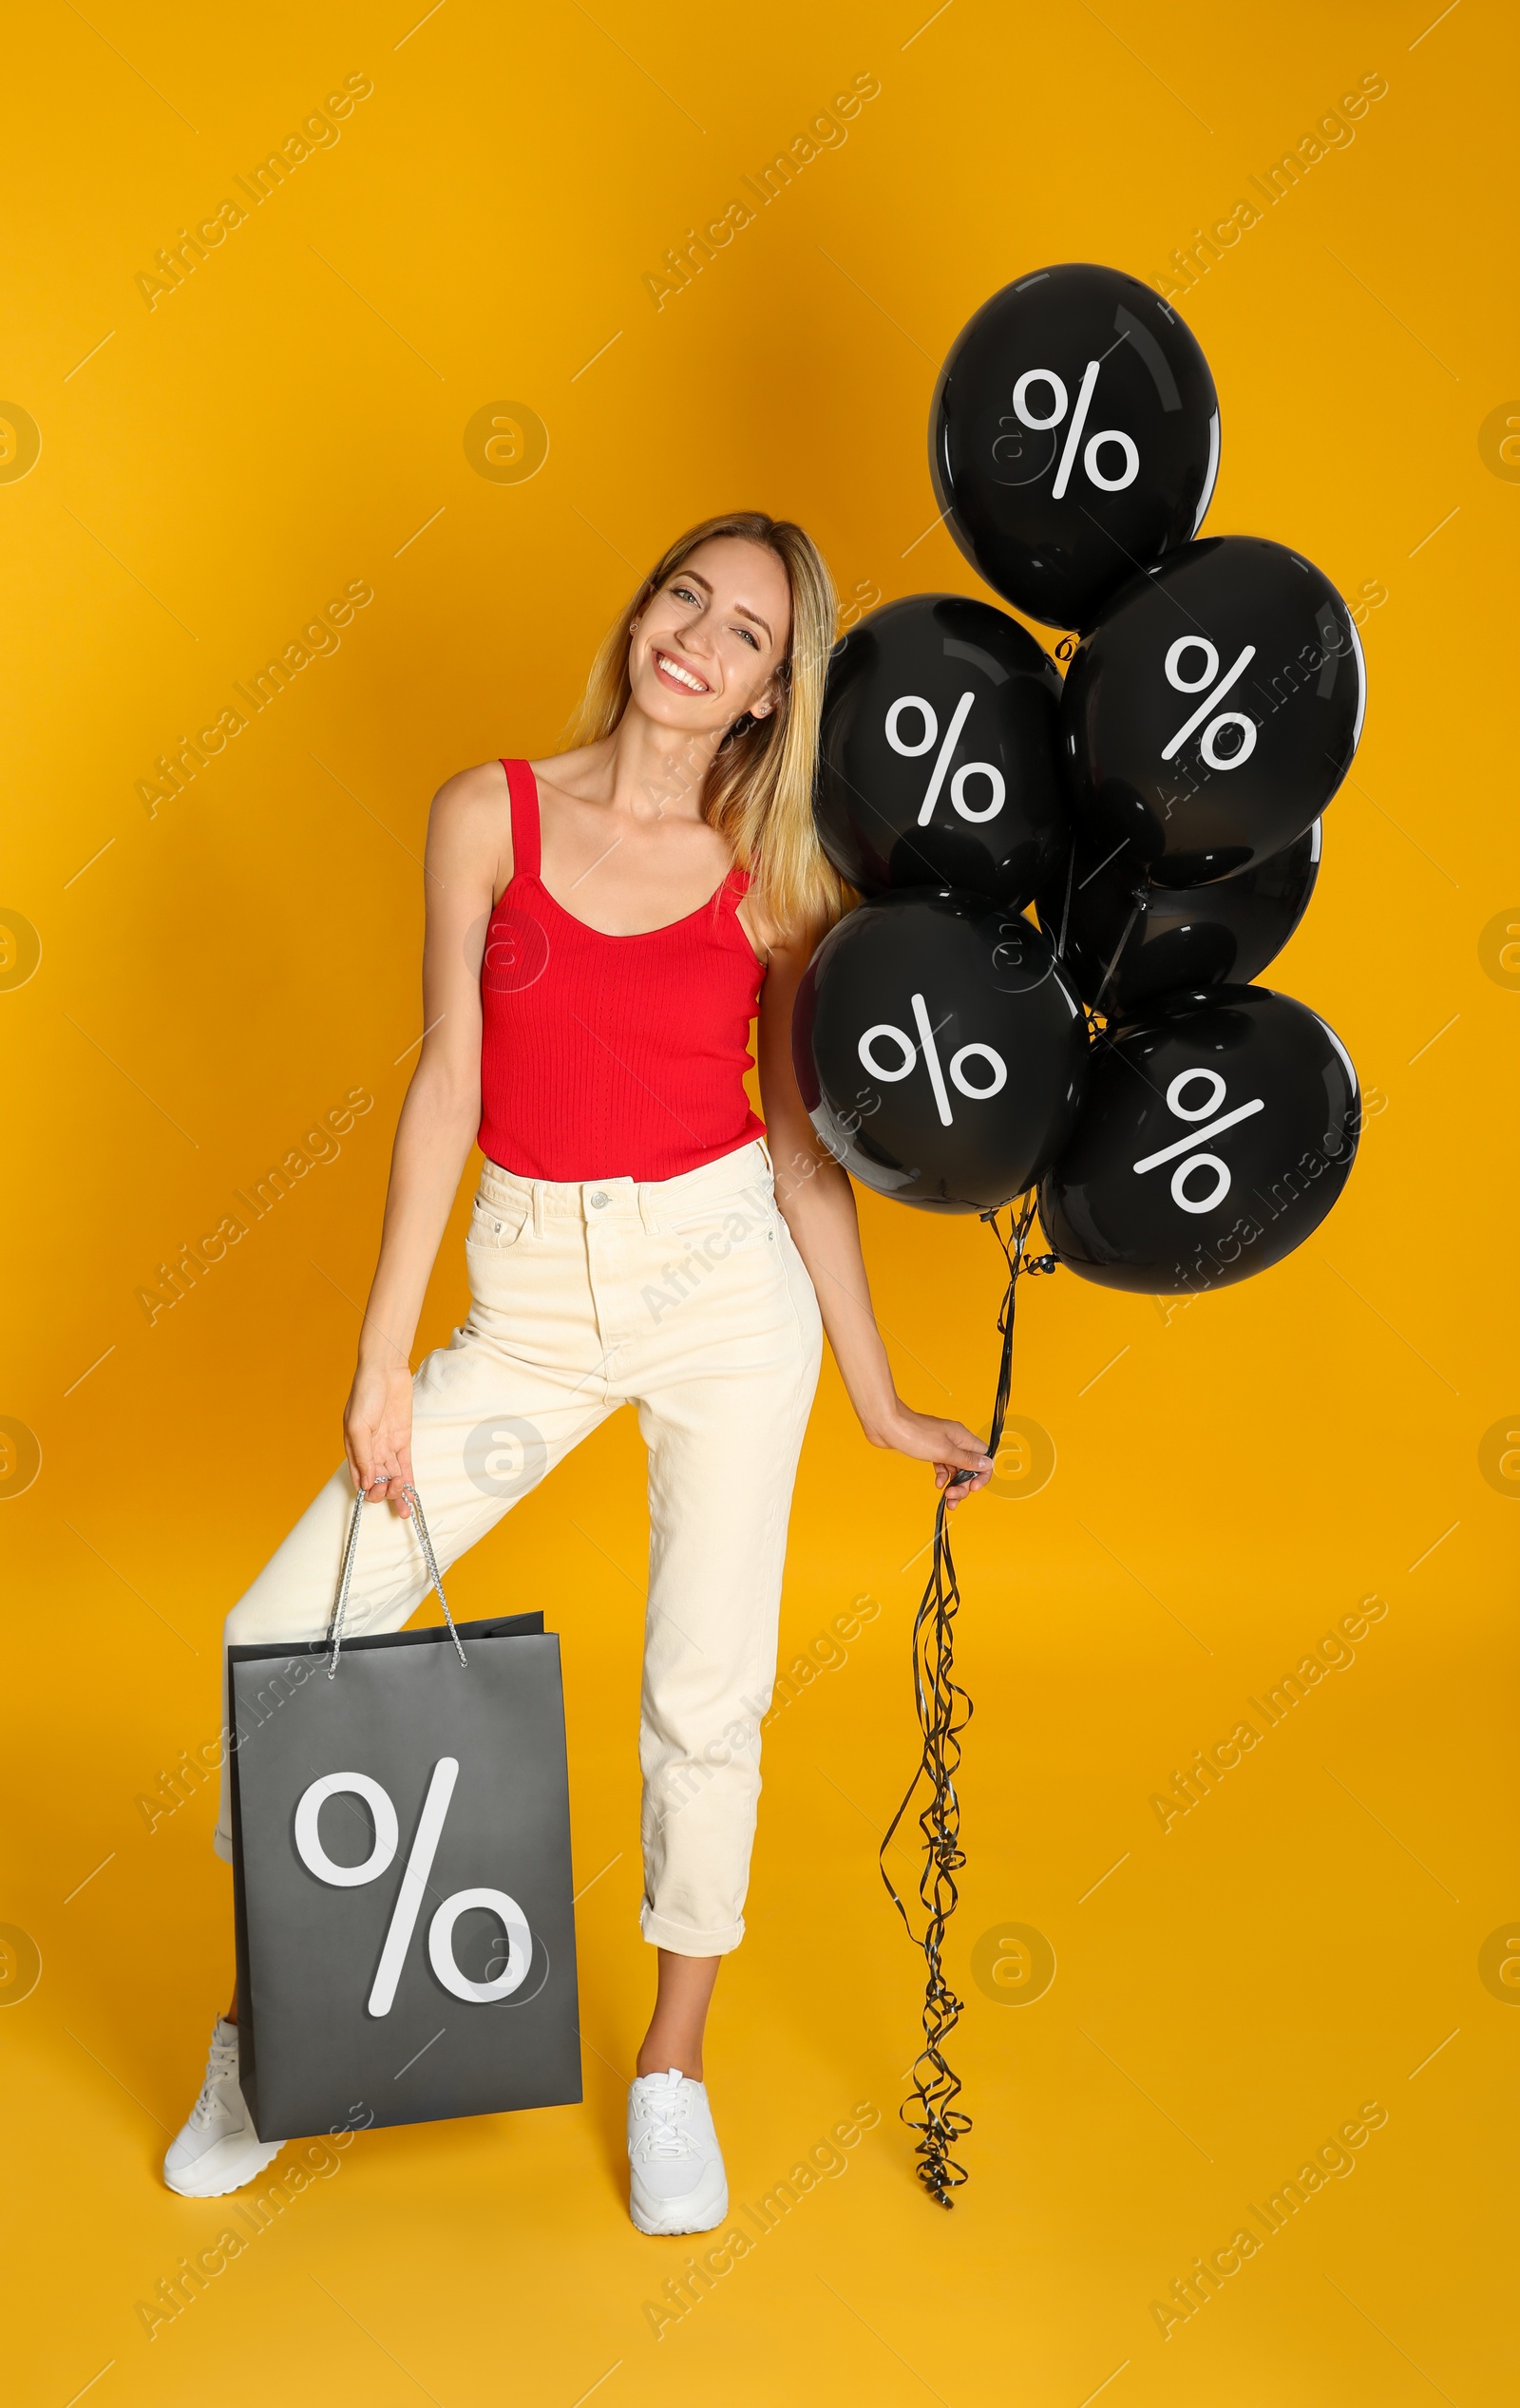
column 682, row 1941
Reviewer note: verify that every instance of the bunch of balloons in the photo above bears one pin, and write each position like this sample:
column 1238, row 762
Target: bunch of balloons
column 1159, row 810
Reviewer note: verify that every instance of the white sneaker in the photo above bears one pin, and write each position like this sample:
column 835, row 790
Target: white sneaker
column 218, row 2150
column 676, row 2182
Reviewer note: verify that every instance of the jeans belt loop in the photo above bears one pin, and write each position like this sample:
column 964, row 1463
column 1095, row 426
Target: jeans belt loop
column 646, row 1208
column 537, row 1191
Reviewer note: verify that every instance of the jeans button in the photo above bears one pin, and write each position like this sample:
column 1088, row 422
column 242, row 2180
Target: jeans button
column 598, row 1198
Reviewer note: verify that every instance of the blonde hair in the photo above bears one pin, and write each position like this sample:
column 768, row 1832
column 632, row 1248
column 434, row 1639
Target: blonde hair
column 758, row 792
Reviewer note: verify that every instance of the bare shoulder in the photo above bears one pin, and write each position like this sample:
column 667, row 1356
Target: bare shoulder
column 471, row 793
column 469, row 828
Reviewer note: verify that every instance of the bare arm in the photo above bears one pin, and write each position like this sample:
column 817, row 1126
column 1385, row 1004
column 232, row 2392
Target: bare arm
column 468, row 860
column 816, row 1197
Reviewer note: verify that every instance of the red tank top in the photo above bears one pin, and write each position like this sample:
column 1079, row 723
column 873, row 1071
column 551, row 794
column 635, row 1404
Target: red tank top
column 606, row 1057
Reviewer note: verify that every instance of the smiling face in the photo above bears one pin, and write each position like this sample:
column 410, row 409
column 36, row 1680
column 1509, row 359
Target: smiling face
column 707, row 646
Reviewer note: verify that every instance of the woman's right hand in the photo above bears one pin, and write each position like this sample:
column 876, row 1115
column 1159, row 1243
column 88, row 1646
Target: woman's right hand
column 377, row 1432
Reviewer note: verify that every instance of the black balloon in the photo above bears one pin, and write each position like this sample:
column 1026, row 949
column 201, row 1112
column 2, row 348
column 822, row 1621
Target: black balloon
column 940, row 1050
column 1217, row 1133
column 940, row 757
column 1073, row 438
column 1125, row 941
column 1212, row 711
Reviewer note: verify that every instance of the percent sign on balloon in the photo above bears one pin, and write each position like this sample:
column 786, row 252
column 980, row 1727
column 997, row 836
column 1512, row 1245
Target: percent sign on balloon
column 932, row 1063
column 1091, row 455
column 1197, row 1137
column 413, row 1881
column 967, row 771
column 1220, row 720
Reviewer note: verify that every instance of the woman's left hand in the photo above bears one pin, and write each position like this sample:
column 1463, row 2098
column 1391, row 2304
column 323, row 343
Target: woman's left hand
column 948, row 1444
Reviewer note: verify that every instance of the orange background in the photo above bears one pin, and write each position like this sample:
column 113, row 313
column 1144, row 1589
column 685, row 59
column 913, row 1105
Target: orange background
column 1230, row 1478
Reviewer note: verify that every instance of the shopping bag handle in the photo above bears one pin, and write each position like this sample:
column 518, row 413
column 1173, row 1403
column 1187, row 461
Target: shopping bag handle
column 341, row 1607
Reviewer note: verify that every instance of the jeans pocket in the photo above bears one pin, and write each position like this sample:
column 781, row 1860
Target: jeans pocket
column 724, row 1225
column 497, row 1226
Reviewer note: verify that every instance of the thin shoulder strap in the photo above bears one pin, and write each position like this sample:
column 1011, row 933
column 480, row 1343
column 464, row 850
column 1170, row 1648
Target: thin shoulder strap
column 522, row 787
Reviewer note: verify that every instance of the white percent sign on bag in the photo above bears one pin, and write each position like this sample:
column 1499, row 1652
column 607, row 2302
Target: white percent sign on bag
column 1092, row 454
column 931, row 1062
column 967, row 771
column 413, row 1881
column 1220, row 720
column 1197, row 1137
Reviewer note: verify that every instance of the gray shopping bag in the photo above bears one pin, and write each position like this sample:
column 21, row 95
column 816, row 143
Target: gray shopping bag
column 402, row 1877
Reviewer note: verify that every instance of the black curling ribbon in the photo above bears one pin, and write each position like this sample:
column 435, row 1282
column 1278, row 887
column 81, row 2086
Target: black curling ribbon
column 944, row 1710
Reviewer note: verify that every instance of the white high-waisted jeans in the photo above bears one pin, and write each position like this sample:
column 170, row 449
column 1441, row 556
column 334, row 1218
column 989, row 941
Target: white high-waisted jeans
column 688, row 1298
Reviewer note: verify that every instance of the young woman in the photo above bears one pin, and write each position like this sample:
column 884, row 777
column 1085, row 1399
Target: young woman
column 603, row 927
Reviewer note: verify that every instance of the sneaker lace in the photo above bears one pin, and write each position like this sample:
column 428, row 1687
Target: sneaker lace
column 663, row 2114
column 222, row 2061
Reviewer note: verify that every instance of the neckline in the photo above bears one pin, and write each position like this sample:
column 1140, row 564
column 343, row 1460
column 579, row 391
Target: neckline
column 625, row 935
column 630, row 936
